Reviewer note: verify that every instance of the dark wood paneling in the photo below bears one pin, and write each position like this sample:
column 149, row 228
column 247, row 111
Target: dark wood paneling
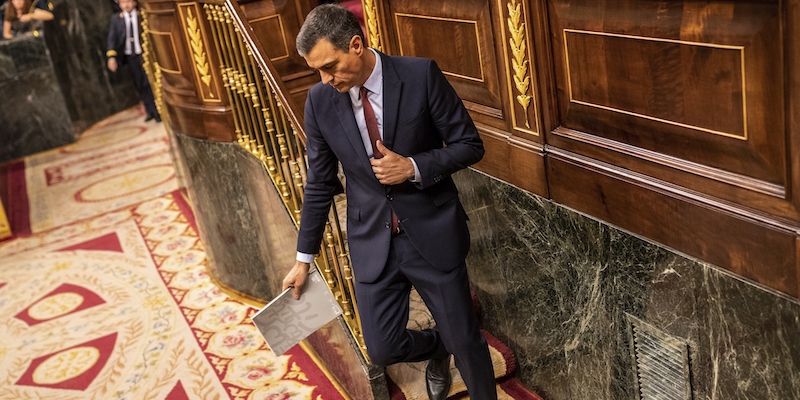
column 663, row 213
column 203, row 122
column 495, row 161
column 689, row 85
column 689, row 93
column 486, row 52
column 527, row 164
column 191, row 86
column 462, row 61
column 462, row 39
column 513, row 160
column 276, row 24
column 171, row 50
column 524, row 62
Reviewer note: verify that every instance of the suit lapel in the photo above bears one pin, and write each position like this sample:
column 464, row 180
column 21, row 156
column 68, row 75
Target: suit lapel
column 344, row 110
column 392, row 87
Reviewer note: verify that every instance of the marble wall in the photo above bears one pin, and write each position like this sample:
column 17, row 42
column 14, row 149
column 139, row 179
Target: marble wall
column 559, row 288
column 33, row 116
column 56, row 84
column 242, row 221
column 76, row 38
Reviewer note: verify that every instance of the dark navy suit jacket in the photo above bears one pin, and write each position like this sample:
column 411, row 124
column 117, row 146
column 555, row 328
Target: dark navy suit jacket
column 116, row 38
column 421, row 114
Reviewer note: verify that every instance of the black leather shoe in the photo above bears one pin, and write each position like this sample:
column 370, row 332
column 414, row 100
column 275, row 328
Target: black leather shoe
column 437, row 378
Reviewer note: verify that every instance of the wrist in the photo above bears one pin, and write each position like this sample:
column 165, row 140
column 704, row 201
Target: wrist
column 303, row 266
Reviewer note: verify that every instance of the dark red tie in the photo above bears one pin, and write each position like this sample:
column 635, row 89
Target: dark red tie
column 374, row 136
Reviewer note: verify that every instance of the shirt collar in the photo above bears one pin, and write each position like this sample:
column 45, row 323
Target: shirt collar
column 375, row 81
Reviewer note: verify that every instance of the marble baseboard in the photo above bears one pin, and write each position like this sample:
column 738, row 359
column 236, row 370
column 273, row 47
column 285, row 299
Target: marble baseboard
column 559, row 288
column 239, row 215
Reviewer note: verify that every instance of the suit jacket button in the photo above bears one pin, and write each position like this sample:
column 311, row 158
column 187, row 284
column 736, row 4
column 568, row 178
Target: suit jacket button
column 387, row 225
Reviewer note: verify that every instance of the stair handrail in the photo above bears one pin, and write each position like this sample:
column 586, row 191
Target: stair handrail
column 268, row 125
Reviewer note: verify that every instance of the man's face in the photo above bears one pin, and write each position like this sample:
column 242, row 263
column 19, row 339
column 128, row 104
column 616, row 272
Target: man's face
column 337, row 68
column 127, row 5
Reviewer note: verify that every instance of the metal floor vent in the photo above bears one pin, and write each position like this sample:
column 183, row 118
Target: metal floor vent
column 661, row 363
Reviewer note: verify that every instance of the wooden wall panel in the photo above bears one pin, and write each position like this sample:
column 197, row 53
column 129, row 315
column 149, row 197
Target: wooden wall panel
column 675, row 121
column 170, row 46
column 767, row 254
column 462, row 42
column 521, row 66
column 191, row 87
column 485, row 50
column 276, row 24
column 689, row 93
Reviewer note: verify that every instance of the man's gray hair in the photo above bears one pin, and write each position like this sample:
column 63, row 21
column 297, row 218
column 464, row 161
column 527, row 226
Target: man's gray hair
column 331, row 22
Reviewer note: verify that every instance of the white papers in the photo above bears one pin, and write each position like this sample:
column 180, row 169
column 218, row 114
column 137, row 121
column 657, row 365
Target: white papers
column 284, row 322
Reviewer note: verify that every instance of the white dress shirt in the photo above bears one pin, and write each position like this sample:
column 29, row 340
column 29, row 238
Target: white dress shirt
column 137, row 47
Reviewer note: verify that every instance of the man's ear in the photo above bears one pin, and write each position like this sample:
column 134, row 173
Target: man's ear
column 356, row 45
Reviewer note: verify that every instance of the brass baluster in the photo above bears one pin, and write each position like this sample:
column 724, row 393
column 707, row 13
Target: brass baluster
column 267, row 131
column 213, row 18
column 229, row 37
column 229, row 75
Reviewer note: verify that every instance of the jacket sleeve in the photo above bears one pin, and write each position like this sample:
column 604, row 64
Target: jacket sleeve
column 113, row 39
column 322, row 184
column 463, row 145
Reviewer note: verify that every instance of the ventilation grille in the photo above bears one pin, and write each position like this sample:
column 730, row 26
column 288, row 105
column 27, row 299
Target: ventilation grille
column 661, row 362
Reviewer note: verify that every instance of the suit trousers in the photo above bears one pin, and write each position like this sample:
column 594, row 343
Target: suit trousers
column 384, row 310
column 142, row 84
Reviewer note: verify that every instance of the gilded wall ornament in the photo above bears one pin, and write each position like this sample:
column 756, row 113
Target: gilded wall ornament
column 516, row 41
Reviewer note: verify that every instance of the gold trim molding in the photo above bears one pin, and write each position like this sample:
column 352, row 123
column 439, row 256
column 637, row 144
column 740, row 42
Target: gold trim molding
column 519, row 62
column 206, row 82
column 373, row 27
column 5, row 227
column 198, row 52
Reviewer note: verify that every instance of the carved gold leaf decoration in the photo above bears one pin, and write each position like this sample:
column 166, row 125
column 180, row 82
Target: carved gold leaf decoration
column 374, row 35
column 198, row 51
column 516, row 41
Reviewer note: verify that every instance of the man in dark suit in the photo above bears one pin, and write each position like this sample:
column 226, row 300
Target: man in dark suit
column 124, row 47
column 399, row 131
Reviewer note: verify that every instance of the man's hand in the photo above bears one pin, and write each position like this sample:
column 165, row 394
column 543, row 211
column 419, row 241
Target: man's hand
column 112, row 64
column 296, row 278
column 25, row 17
column 392, row 169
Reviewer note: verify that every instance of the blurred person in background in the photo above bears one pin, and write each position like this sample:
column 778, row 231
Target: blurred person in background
column 20, row 17
column 124, row 47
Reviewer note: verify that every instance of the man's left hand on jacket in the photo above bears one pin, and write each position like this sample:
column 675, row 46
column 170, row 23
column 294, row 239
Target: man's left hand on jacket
column 392, row 169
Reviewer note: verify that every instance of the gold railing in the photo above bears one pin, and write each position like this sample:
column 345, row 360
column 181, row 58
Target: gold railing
column 266, row 125
column 5, row 227
column 151, row 68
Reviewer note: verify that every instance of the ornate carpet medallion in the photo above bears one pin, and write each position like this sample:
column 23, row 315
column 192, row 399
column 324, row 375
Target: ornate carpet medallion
column 121, row 307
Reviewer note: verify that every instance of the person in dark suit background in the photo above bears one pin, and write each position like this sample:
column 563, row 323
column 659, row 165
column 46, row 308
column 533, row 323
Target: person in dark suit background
column 399, row 131
column 124, row 47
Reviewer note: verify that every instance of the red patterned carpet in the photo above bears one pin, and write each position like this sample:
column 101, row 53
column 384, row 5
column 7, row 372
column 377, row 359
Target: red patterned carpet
column 104, row 292
column 109, row 299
